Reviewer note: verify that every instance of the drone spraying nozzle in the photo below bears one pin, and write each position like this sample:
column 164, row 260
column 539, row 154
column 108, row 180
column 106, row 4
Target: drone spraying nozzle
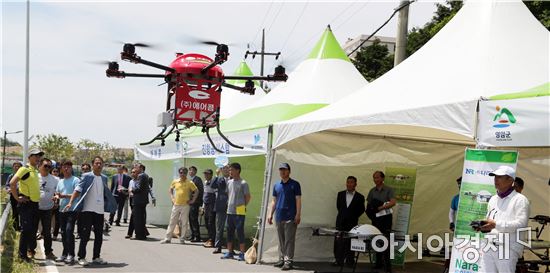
column 113, row 66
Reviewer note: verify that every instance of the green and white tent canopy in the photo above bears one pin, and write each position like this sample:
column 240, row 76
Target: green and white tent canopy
column 232, row 101
column 326, row 76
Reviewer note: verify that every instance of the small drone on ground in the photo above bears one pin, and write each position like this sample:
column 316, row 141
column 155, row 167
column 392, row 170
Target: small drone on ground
column 194, row 89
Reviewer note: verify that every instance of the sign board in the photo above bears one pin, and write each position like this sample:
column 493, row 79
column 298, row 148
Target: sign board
column 358, row 245
column 476, row 190
column 514, row 123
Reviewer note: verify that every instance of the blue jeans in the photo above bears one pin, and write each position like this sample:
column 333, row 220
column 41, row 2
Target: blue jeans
column 235, row 222
column 67, row 221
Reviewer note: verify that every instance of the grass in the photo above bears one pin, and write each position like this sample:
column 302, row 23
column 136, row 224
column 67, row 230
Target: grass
column 8, row 250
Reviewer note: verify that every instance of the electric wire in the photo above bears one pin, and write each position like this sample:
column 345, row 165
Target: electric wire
column 276, row 16
column 262, row 24
column 316, row 34
column 384, row 24
column 294, row 27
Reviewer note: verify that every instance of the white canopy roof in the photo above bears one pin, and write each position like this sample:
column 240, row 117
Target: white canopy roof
column 488, row 48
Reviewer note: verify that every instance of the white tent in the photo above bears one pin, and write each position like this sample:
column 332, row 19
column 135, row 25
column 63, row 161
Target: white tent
column 421, row 114
column 231, row 100
column 325, row 76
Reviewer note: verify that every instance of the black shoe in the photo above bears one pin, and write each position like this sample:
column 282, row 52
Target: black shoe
column 125, row 221
column 117, row 223
column 287, row 266
column 279, row 264
column 337, row 264
column 217, row 251
column 196, row 240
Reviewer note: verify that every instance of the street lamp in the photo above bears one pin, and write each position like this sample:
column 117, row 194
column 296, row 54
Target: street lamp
column 4, row 147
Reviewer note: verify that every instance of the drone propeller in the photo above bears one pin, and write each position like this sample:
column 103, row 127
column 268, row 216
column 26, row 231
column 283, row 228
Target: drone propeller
column 138, row 44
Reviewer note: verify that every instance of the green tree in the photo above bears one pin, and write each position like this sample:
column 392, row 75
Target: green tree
column 55, row 147
column 417, row 37
column 373, row 61
column 541, row 10
column 9, row 142
column 86, row 150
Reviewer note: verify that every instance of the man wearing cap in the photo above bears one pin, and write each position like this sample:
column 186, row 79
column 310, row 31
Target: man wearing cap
column 507, row 212
column 209, row 199
column 14, row 209
column 454, row 206
column 27, row 197
column 287, row 207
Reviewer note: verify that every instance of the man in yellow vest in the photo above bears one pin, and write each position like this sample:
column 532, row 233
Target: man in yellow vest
column 27, row 198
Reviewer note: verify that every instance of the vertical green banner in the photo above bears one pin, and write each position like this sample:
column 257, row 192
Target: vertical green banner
column 403, row 181
column 476, row 190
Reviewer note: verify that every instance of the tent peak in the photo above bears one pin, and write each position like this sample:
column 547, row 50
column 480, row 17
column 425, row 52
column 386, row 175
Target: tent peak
column 328, row 48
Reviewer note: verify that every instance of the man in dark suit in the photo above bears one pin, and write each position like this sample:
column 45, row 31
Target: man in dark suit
column 350, row 205
column 195, row 207
column 140, row 201
column 119, row 187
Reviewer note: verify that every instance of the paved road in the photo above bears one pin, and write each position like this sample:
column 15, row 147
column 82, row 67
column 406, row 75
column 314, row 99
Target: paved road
column 124, row 255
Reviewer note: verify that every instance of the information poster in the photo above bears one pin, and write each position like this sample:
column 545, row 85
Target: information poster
column 403, row 181
column 475, row 192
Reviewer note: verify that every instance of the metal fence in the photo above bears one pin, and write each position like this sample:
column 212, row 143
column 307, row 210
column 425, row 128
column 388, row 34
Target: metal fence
column 5, row 219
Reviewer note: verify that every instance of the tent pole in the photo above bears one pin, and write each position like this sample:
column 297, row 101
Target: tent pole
column 476, row 127
column 270, row 155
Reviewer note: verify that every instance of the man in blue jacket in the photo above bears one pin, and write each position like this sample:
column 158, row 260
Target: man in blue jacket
column 96, row 198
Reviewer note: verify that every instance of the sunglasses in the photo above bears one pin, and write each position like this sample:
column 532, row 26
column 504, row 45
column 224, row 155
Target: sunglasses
column 48, row 166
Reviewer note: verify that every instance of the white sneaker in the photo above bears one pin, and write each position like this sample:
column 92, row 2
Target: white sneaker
column 99, row 261
column 182, row 241
column 61, row 259
column 165, row 241
column 83, row 262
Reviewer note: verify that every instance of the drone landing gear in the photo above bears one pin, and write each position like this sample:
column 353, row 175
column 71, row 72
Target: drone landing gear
column 161, row 136
column 207, row 131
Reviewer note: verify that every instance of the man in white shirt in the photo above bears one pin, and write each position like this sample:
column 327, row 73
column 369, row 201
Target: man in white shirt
column 48, row 184
column 507, row 212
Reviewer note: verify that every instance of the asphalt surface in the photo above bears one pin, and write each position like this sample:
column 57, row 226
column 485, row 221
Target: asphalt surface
column 125, row 255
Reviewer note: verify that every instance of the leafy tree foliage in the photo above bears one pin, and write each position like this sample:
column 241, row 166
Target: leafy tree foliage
column 55, row 147
column 373, row 61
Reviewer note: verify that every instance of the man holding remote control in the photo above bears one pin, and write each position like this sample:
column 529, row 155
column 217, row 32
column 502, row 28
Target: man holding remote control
column 507, row 212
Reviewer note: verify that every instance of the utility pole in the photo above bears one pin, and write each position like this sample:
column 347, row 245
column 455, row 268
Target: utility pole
column 262, row 54
column 402, row 28
column 26, row 128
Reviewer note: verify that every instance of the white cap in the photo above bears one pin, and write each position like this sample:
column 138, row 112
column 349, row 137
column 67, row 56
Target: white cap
column 504, row 170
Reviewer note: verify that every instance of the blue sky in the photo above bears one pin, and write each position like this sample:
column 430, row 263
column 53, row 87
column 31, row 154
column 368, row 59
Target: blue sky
column 73, row 98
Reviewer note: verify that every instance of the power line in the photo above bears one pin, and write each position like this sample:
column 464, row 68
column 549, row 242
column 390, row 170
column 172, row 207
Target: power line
column 298, row 49
column 276, row 15
column 262, row 24
column 385, row 23
column 294, row 27
column 352, row 15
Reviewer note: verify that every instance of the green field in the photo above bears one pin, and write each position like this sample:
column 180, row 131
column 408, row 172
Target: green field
column 469, row 209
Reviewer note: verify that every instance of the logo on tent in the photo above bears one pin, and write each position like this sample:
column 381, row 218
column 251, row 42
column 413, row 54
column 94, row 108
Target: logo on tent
column 503, row 118
column 257, row 138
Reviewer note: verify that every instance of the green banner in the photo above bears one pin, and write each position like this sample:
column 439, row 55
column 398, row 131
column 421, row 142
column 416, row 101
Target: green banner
column 476, row 190
column 403, row 182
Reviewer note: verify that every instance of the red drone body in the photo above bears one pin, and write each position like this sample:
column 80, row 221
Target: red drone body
column 194, row 89
column 196, row 98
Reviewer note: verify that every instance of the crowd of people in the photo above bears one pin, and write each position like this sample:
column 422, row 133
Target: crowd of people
column 39, row 193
